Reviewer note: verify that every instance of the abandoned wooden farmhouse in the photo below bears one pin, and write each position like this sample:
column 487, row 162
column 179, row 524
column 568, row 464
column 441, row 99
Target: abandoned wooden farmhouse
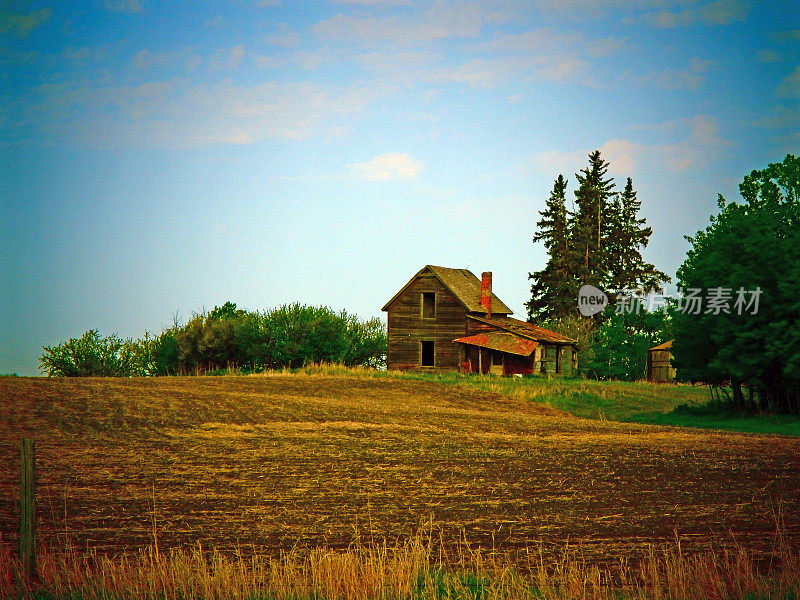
column 447, row 319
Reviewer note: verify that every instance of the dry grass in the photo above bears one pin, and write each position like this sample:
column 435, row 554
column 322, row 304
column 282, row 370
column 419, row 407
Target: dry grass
column 274, row 464
column 409, row 570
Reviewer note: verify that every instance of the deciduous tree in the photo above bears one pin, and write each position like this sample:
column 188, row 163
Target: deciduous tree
column 749, row 252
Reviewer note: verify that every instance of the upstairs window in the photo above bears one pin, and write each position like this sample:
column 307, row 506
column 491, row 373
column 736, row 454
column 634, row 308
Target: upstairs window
column 428, row 305
column 426, row 356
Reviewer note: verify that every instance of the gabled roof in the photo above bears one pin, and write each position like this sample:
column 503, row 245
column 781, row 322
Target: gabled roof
column 664, row 346
column 462, row 284
column 526, row 330
column 502, row 341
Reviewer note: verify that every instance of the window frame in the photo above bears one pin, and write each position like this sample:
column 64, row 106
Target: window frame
column 422, row 305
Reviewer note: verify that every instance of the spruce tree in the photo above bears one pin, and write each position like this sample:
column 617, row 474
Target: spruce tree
column 590, row 223
column 627, row 236
column 616, row 245
column 554, row 291
column 599, row 243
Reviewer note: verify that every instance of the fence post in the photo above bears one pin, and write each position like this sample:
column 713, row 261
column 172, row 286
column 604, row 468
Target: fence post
column 27, row 513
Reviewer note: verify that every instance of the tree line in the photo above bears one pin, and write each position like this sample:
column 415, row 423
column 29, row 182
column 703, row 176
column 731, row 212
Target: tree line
column 751, row 247
column 227, row 337
column 599, row 242
column 752, row 358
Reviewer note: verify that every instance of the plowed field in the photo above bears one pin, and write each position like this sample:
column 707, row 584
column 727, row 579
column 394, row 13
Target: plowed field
column 274, row 462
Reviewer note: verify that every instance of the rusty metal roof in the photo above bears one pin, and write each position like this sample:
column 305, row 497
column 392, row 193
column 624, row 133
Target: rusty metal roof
column 664, row 346
column 502, row 341
column 463, row 284
column 527, row 330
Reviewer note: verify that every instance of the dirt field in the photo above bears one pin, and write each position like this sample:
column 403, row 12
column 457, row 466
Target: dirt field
column 271, row 462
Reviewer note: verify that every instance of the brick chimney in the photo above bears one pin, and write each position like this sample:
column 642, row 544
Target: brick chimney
column 486, row 292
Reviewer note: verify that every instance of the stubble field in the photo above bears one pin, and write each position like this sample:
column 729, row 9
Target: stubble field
column 275, row 462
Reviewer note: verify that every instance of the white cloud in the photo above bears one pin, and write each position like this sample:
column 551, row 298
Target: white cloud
column 790, row 85
column 547, row 55
column 285, row 37
column 19, row 24
column 543, row 39
column 227, row 60
column 719, row 12
column 691, row 77
column 768, row 55
column 146, row 59
column 621, row 155
column 593, row 6
column 779, row 117
column 605, row 47
column 387, row 167
column 536, row 55
column 442, row 20
column 700, row 143
column 789, row 35
column 179, row 114
column 376, row 2
column 128, row 6
column 553, row 162
column 478, row 72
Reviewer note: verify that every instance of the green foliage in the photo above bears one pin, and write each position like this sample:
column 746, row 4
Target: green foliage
column 554, row 289
column 750, row 246
column 207, row 341
column 581, row 330
column 591, row 221
column 598, row 243
column 289, row 336
column 89, row 355
column 622, row 340
column 615, row 348
column 156, row 355
column 627, row 236
column 294, row 335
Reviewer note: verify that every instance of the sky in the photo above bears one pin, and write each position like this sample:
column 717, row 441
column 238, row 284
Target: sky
column 161, row 158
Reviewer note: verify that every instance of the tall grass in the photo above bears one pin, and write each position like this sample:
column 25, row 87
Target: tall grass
column 413, row 570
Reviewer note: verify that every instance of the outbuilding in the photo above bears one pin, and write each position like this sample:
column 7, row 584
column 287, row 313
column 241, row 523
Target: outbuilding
column 659, row 363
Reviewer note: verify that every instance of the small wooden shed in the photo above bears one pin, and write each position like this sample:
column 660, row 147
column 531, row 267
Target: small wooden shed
column 659, row 365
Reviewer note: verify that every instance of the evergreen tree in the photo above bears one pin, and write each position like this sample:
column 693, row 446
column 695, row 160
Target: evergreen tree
column 599, row 243
column 554, row 290
column 590, row 223
column 627, row 236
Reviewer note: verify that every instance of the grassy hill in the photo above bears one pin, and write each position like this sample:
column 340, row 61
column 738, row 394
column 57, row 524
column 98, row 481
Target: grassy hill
column 625, row 401
column 286, row 460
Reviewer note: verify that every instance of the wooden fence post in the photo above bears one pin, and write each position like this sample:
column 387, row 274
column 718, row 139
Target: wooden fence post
column 27, row 513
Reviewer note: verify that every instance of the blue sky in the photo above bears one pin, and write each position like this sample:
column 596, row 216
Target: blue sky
column 162, row 158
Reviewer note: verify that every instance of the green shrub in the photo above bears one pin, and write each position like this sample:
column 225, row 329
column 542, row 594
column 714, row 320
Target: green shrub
column 89, row 355
column 290, row 336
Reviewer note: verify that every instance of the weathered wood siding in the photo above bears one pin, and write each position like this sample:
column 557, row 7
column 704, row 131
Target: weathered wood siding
column 550, row 358
column 407, row 329
column 567, row 364
column 555, row 359
column 659, row 368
